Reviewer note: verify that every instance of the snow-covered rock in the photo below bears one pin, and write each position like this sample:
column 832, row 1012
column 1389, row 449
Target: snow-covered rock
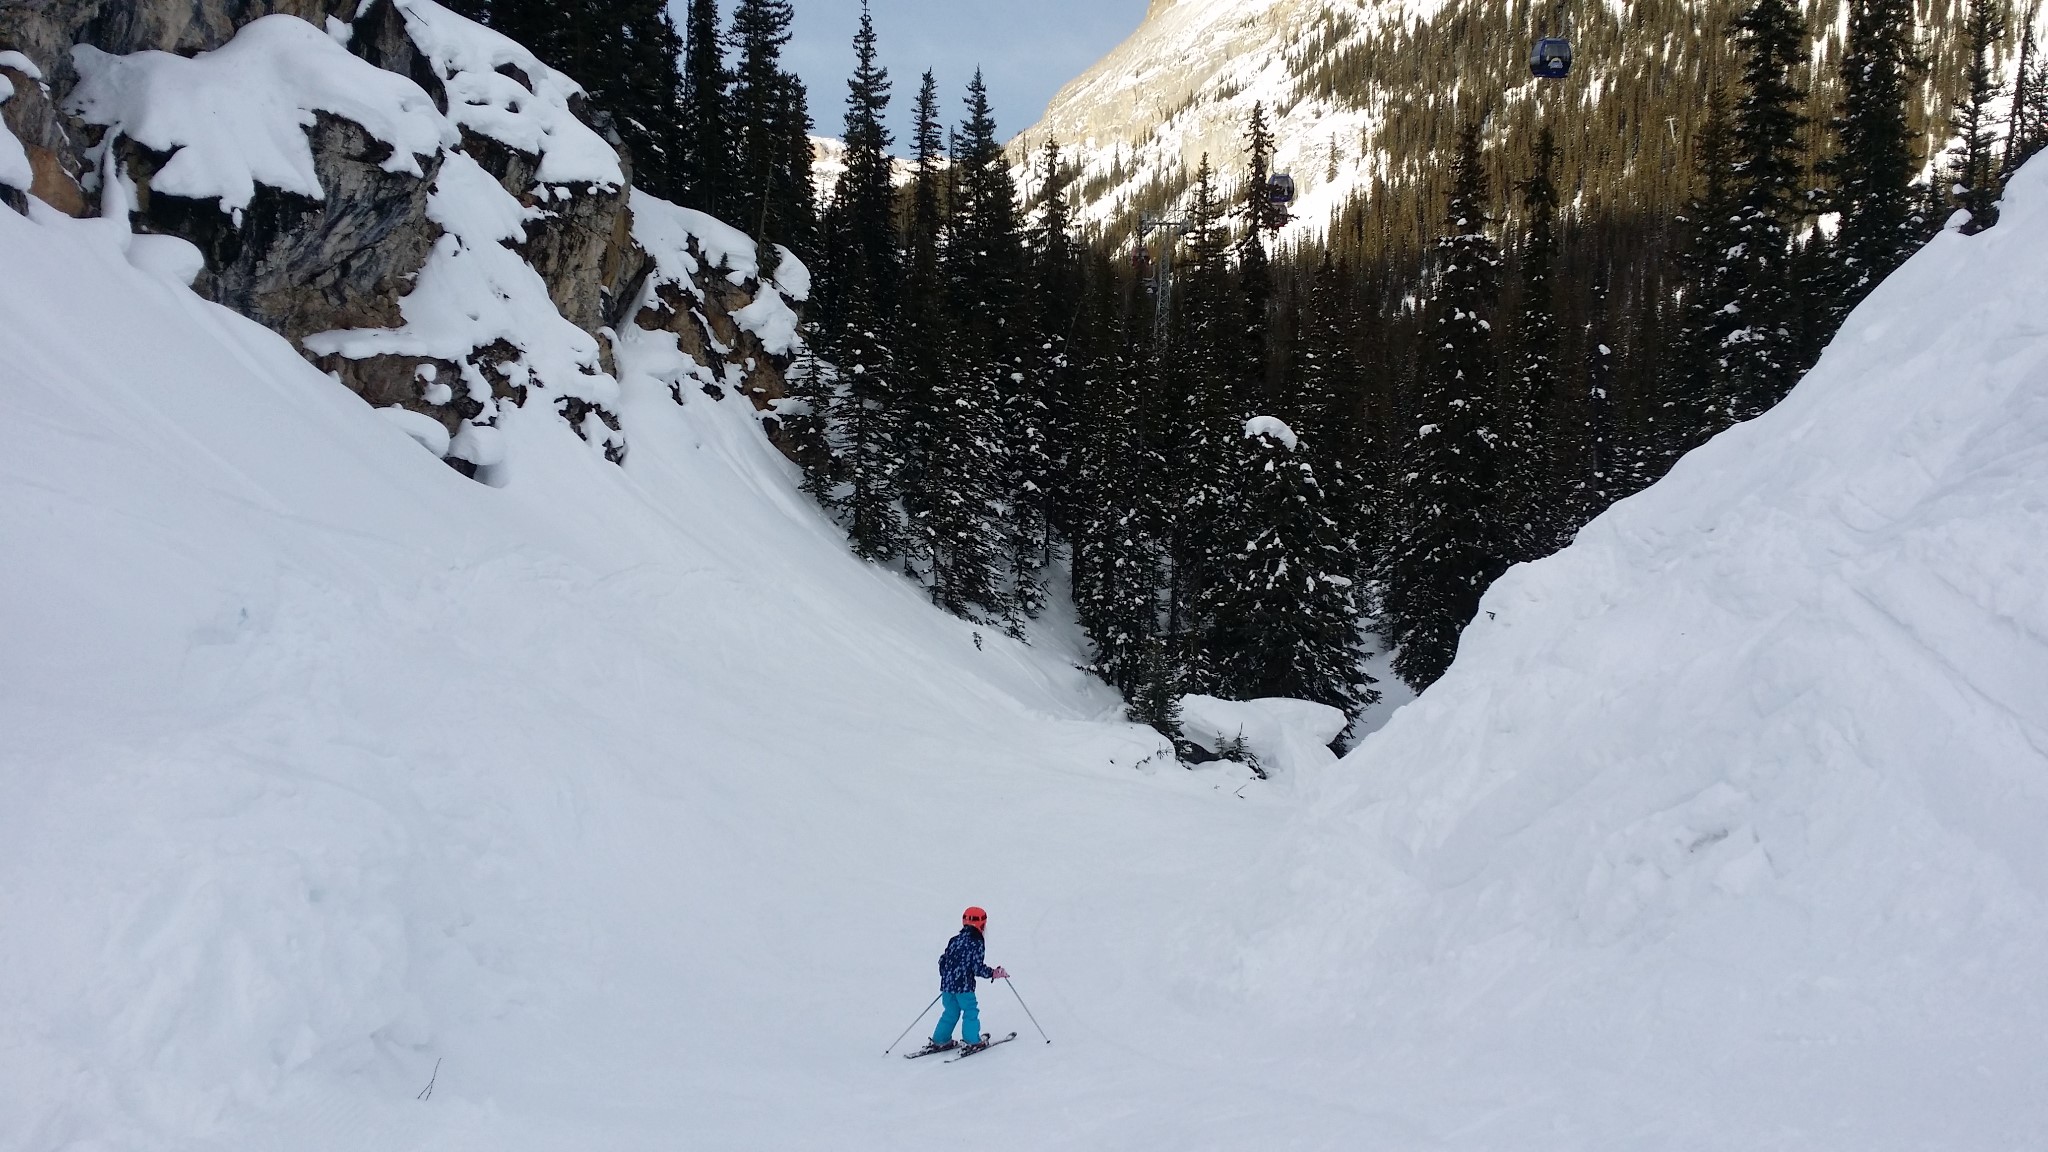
column 1288, row 737
column 15, row 172
column 705, row 318
column 228, row 120
column 450, row 250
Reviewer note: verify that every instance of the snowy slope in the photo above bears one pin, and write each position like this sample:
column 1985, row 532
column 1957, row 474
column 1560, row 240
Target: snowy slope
column 630, row 800
column 628, row 793
column 1734, row 815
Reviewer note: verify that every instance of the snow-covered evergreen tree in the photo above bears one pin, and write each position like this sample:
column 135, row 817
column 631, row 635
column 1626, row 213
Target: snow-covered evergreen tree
column 1286, row 619
column 2027, row 125
column 925, row 333
column 1054, row 317
column 1973, row 163
column 771, row 162
column 1541, row 516
column 1761, row 352
column 1327, row 406
column 985, row 277
column 1261, row 218
column 624, row 53
column 1701, row 405
column 1116, row 556
column 867, row 433
column 704, row 115
column 859, row 249
column 1874, row 163
column 1447, row 544
column 1207, row 370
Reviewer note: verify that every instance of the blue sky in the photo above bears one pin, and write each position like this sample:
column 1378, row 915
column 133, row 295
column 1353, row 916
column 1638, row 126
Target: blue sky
column 1027, row 49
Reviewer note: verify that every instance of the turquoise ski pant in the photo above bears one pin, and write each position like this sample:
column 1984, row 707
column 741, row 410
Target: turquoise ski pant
column 960, row 1007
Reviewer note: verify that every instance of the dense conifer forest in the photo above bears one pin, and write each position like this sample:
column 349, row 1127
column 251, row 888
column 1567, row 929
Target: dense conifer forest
column 1249, row 464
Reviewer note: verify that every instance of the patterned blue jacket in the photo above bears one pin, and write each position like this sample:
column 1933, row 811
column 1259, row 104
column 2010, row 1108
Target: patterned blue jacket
column 963, row 961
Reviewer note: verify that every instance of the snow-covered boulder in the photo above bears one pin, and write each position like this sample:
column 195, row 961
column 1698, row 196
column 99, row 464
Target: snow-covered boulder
column 1284, row 736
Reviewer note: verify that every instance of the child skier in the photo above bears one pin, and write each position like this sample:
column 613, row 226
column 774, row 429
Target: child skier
column 964, row 959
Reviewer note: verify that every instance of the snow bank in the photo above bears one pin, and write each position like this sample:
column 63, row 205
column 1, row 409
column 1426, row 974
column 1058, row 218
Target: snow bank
column 1291, row 737
column 1745, row 790
column 14, row 168
column 529, row 112
column 238, row 117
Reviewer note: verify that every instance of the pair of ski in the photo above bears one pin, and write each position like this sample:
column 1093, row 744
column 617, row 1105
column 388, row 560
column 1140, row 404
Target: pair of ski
column 964, row 1051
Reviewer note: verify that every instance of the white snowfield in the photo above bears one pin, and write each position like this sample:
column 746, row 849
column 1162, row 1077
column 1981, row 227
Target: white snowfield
column 631, row 801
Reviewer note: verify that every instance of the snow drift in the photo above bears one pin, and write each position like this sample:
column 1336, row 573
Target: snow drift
column 1745, row 794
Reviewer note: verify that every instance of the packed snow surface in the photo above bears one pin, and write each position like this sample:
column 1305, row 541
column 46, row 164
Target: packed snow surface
column 237, row 117
column 631, row 802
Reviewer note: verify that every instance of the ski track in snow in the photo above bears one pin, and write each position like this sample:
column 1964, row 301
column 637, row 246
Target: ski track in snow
column 632, row 799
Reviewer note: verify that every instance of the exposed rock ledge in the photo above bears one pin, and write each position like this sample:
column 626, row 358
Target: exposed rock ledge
column 416, row 202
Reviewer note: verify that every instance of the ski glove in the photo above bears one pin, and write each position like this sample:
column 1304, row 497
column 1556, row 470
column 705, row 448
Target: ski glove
column 1000, row 973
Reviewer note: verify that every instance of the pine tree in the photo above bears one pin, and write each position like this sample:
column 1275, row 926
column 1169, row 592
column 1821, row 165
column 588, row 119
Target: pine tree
column 1287, row 608
column 923, row 320
column 1328, row 391
column 1157, row 699
column 960, row 531
column 704, row 116
column 1206, row 372
column 1057, row 307
column 771, row 124
column 1541, row 516
column 1116, row 560
column 624, row 54
column 1261, row 218
column 859, row 254
column 1710, row 307
column 2027, row 130
column 1448, row 546
column 1974, row 162
column 1874, row 165
column 1603, row 481
column 868, row 433
column 1760, row 353
column 985, row 272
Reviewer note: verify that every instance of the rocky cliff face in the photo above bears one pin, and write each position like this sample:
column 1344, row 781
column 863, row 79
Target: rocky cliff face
column 421, row 206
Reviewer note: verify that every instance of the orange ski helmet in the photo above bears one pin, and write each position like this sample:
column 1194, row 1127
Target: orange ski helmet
column 975, row 918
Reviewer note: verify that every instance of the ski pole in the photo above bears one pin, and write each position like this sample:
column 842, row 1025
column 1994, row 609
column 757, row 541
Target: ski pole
column 1026, row 1008
column 913, row 1024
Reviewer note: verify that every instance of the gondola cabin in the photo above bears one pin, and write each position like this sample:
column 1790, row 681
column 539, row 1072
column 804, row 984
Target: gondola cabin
column 1551, row 59
column 1280, row 190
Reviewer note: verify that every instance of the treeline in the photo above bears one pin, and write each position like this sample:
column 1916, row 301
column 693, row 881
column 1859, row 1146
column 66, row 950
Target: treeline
column 1245, row 461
